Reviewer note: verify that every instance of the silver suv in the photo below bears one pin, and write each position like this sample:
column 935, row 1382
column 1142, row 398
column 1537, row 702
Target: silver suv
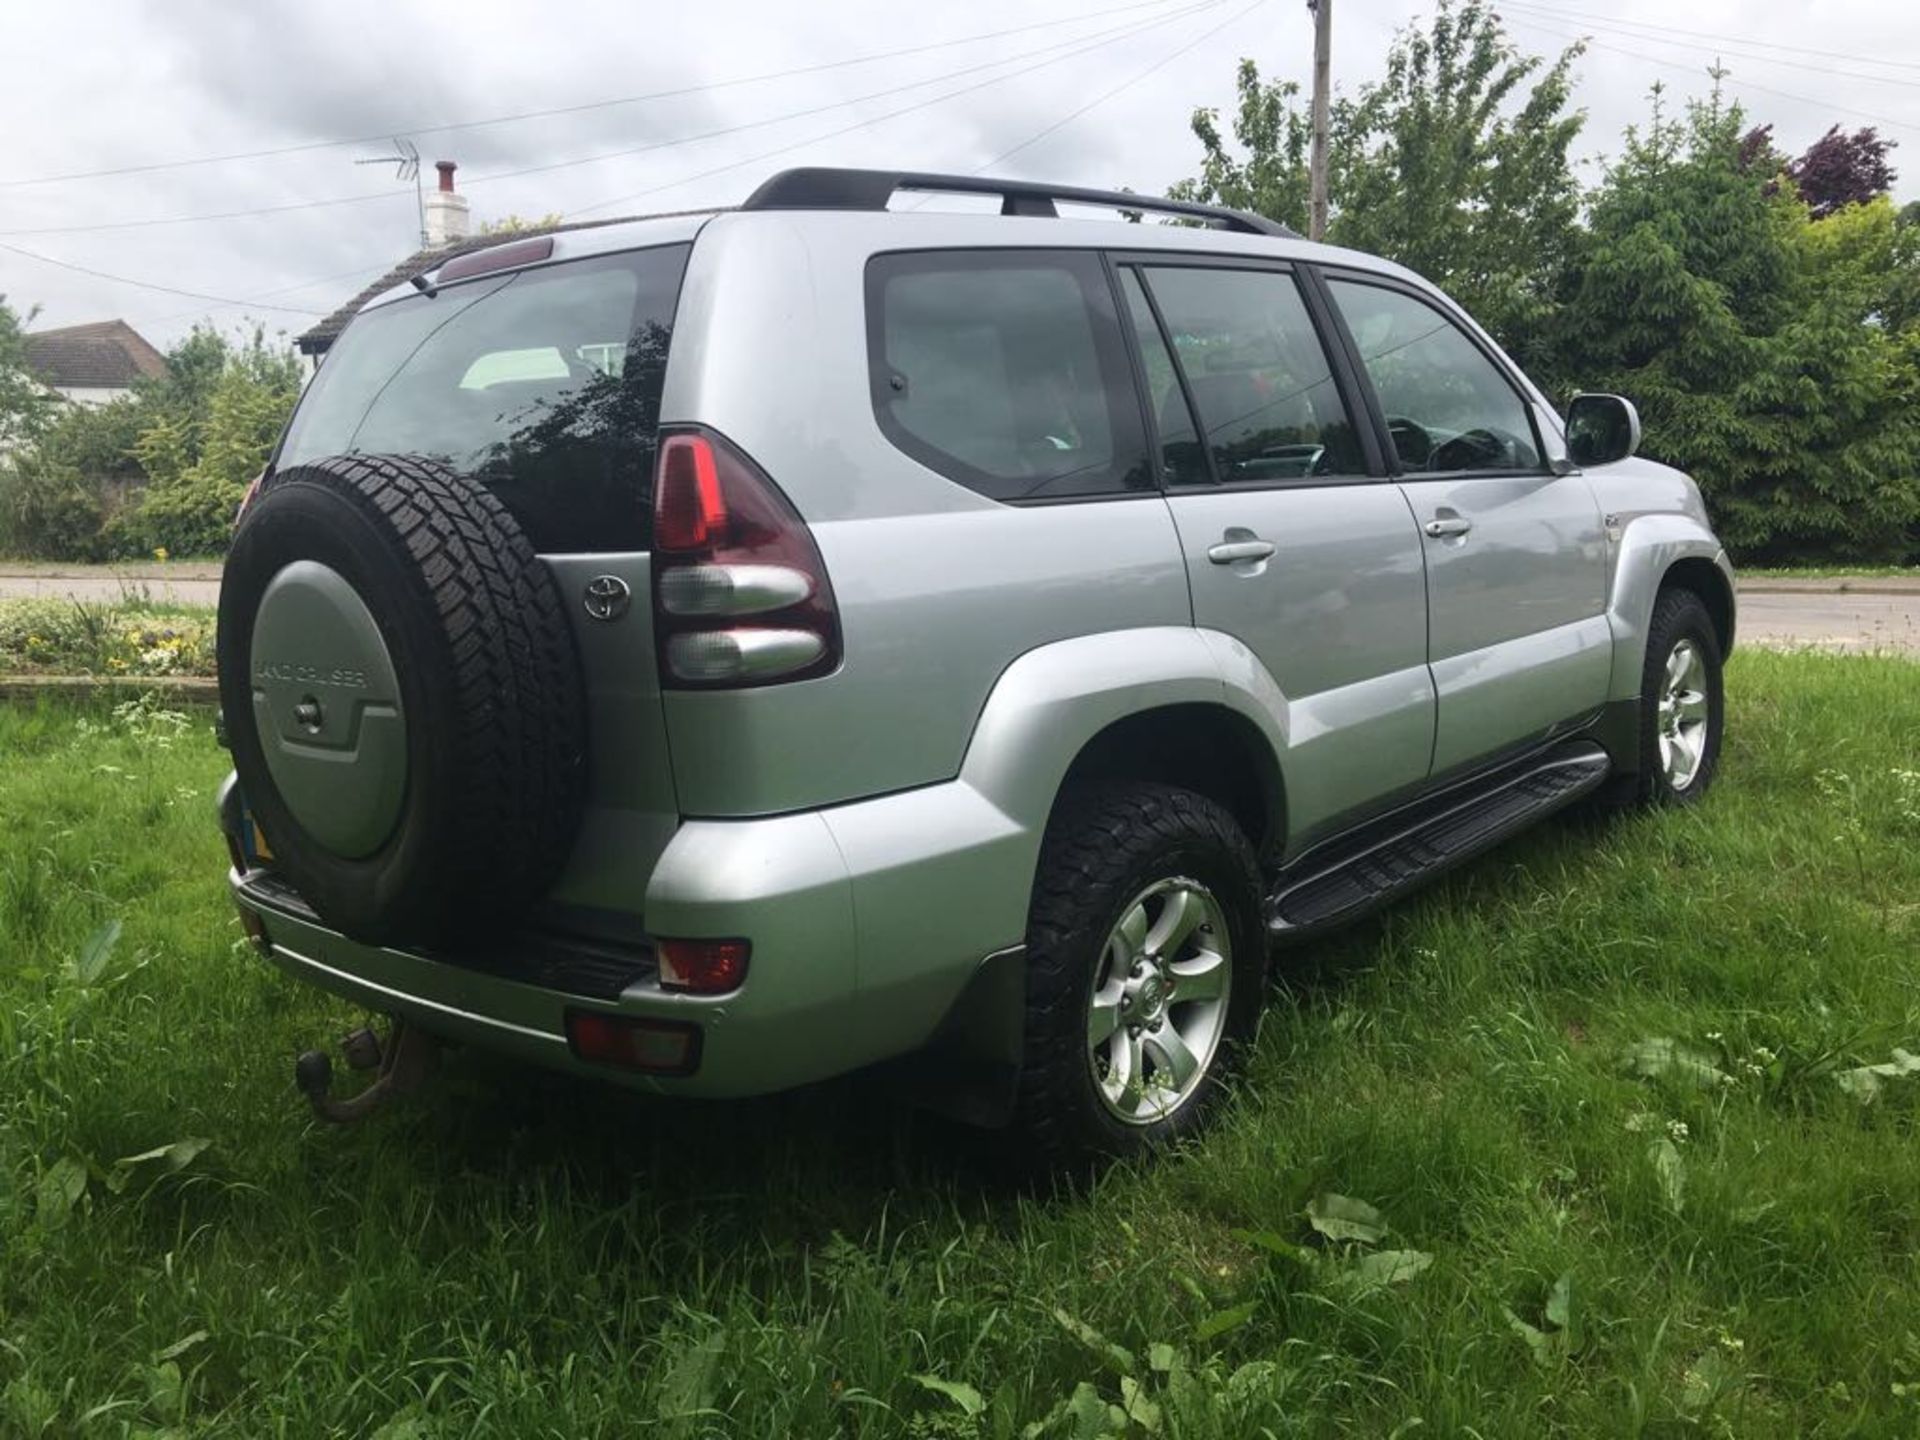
column 720, row 652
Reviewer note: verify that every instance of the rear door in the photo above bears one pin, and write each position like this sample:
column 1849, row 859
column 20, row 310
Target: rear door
column 543, row 385
column 1295, row 543
column 1515, row 555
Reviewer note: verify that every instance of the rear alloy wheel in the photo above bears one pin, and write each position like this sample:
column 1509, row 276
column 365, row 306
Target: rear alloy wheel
column 1158, row 1004
column 1146, row 962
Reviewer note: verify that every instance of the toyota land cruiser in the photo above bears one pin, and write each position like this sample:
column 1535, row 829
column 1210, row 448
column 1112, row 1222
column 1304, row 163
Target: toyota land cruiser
column 720, row 652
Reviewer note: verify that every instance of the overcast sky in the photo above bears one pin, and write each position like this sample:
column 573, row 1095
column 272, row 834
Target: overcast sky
column 115, row 84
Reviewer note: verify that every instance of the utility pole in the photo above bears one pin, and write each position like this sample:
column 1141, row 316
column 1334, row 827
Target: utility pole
column 1322, row 84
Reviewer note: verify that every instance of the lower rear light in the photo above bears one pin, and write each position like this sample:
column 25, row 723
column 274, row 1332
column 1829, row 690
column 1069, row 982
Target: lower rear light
column 653, row 1047
column 715, row 657
column 728, row 546
column 703, row 967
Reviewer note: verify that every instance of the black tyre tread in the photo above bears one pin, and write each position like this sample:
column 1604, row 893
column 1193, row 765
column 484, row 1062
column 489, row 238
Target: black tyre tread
column 517, row 680
column 1676, row 610
column 1097, row 837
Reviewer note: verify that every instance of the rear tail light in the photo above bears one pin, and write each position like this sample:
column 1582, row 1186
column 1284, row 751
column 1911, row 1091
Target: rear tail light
column 703, row 967
column 653, row 1047
column 740, row 593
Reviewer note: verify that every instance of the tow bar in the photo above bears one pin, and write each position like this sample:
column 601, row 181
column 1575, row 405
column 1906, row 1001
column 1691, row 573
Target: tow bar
column 404, row 1061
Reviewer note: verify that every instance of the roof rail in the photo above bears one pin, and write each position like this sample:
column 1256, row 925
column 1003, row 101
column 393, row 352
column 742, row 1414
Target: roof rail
column 818, row 187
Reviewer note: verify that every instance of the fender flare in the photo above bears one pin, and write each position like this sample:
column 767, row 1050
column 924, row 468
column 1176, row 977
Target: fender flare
column 1049, row 704
column 1649, row 547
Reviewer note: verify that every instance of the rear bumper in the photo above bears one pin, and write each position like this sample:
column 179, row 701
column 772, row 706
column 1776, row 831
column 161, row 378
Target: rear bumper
column 867, row 924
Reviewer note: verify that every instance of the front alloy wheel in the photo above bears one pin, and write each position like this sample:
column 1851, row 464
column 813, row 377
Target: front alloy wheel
column 1682, row 716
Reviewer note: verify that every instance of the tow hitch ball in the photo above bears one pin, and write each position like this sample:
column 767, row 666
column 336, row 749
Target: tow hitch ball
column 405, row 1060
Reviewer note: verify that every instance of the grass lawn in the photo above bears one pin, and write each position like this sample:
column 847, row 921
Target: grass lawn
column 1829, row 572
column 1596, row 1104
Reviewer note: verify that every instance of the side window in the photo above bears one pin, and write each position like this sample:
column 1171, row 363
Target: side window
column 1182, row 461
column 1005, row 370
column 1447, row 406
column 1260, row 382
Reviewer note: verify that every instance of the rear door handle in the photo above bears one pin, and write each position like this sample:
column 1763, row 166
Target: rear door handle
column 1445, row 526
column 1228, row 551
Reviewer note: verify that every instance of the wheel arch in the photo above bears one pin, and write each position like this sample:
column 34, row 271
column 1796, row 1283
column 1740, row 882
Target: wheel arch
column 1707, row 580
column 1208, row 748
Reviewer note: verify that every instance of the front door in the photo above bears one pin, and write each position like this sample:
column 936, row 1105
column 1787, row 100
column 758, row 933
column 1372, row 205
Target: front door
column 1516, row 555
column 1292, row 547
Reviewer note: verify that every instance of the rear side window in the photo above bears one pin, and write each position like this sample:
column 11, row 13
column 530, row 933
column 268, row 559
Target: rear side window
column 543, row 386
column 1005, row 370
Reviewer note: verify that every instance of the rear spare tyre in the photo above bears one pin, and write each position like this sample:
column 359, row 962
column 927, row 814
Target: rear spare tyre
column 402, row 697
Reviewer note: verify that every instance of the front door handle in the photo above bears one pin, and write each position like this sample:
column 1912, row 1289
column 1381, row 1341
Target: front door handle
column 1448, row 524
column 1228, row 551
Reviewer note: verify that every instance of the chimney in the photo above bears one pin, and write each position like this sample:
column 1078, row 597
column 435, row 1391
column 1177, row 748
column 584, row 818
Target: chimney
column 447, row 217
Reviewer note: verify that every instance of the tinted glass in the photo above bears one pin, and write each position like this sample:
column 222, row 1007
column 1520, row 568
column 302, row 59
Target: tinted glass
column 1182, row 459
column 1260, row 381
column 1447, row 405
column 544, row 386
column 1004, row 370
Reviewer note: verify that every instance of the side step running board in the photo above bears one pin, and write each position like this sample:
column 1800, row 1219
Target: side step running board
column 1327, row 892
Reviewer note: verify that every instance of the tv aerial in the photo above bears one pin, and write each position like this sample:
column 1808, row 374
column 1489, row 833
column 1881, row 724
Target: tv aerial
column 406, row 162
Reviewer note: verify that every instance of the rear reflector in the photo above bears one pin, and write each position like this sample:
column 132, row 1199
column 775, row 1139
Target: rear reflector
column 653, row 1047
column 703, row 967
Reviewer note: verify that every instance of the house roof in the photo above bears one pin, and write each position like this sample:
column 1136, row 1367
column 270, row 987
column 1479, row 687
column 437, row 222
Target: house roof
column 320, row 337
column 107, row 355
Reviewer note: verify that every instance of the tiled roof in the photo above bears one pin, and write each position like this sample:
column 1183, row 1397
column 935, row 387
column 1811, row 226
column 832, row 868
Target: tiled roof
column 108, row 355
column 321, row 336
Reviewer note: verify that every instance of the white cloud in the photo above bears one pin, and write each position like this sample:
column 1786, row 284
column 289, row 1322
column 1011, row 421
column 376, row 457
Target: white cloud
column 108, row 85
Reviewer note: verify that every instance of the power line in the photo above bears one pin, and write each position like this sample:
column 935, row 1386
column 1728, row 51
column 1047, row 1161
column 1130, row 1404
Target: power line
column 580, row 108
column 149, row 285
column 864, row 124
column 1123, row 30
column 1793, row 49
column 1719, row 49
column 1696, row 70
column 376, row 268
column 1127, row 84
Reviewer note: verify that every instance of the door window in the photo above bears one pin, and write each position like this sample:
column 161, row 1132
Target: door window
column 1265, row 395
column 1005, row 370
column 1182, row 459
column 1447, row 406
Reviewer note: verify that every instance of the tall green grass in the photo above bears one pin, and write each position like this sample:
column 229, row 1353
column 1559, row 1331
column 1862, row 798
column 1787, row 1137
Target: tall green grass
column 1594, row 1106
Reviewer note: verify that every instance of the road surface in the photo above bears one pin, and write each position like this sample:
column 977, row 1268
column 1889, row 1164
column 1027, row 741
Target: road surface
column 1866, row 614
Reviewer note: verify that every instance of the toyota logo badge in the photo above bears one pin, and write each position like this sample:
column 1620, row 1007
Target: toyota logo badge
column 607, row 597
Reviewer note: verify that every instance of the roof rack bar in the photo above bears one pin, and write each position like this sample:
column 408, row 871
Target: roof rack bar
column 819, row 187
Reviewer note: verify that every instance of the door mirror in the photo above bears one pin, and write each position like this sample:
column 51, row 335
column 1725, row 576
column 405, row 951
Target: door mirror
column 1601, row 429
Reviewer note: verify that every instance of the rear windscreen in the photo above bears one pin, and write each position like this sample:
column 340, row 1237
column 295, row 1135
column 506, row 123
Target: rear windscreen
column 543, row 386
